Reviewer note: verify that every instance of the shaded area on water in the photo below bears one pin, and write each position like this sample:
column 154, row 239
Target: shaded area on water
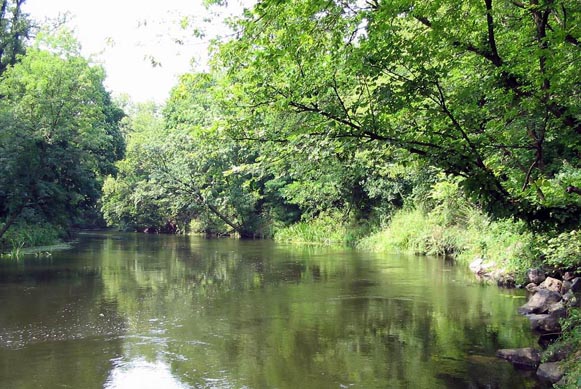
column 126, row 310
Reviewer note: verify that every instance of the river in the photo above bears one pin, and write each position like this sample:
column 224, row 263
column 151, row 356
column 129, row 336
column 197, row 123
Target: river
column 154, row 311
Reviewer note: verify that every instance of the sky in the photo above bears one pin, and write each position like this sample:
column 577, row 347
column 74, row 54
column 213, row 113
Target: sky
column 140, row 42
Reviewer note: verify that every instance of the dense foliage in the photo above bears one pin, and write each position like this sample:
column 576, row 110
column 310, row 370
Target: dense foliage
column 59, row 136
column 181, row 168
column 488, row 92
column 356, row 107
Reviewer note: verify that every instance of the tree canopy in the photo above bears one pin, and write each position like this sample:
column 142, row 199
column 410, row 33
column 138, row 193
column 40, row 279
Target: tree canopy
column 318, row 106
column 59, row 135
column 485, row 91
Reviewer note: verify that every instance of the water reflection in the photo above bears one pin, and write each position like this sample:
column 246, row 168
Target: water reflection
column 169, row 311
column 144, row 375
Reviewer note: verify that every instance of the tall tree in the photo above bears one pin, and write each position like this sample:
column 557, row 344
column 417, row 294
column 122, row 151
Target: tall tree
column 14, row 30
column 187, row 169
column 59, row 134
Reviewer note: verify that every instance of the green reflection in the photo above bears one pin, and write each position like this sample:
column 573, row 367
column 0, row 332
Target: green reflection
column 230, row 313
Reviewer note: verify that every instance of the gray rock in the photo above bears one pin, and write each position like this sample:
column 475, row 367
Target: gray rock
column 522, row 357
column 559, row 310
column 540, row 302
column 567, row 296
column 535, row 276
column 544, row 323
column 481, row 268
column 550, row 371
column 570, row 299
column 558, row 354
column 576, row 285
column 565, row 287
column 551, row 283
column 505, row 281
column 531, row 287
column 476, row 265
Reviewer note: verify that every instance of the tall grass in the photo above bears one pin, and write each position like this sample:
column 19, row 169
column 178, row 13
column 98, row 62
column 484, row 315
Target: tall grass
column 324, row 229
column 468, row 235
column 24, row 235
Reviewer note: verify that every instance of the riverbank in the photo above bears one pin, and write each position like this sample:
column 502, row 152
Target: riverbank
column 553, row 312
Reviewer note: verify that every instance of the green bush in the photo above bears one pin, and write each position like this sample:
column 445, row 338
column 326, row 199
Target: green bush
column 505, row 242
column 23, row 235
column 406, row 231
column 324, row 229
column 564, row 250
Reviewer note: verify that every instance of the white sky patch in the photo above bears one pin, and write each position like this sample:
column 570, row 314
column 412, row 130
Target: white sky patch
column 140, row 42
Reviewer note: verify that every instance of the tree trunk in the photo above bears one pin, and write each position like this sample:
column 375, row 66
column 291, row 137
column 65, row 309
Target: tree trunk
column 10, row 220
column 226, row 220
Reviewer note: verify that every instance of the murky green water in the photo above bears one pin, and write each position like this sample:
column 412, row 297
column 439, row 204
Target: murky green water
column 143, row 311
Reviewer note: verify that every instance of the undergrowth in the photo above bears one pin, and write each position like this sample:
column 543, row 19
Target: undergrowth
column 23, row 235
column 505, row 242
column 324, row 229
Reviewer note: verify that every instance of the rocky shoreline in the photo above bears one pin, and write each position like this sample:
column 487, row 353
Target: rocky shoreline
column 550, row 299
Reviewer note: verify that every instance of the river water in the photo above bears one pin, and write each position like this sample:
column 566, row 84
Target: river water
column 153, row 311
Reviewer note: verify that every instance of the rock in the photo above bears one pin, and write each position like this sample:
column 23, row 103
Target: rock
column 570, row 299
column 568, row 296
column 545, row 340
column 480, row 267
column 506, row 281
column 540, row 302
column 475, row 265
column 544, row 323
column 568, row 276
column 551, row 283
column 558, row 354
column 558, row 310
column 522, row 357
column 565, row 287
column 550, row 371
column 535, row 276
column 531, row 287
column 576, row 285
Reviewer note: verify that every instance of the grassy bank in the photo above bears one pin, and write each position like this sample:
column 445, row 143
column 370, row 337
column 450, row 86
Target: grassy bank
column 447, row 227
column 468, row 235
column 325, row 229
column 23, row 235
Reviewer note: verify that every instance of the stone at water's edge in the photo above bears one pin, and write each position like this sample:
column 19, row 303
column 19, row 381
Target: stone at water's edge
column 576, row 285
column 480, row 267
column 558, row 310
column 549, row 302
column 522, row 357
column 550, row 371
column 540, row 302
column 531, row 287
column 565, row 287
column 544, row 323
column 552, row 284
column 535, row 276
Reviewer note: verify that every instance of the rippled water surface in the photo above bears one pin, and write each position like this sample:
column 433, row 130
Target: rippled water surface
column 148, row 311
